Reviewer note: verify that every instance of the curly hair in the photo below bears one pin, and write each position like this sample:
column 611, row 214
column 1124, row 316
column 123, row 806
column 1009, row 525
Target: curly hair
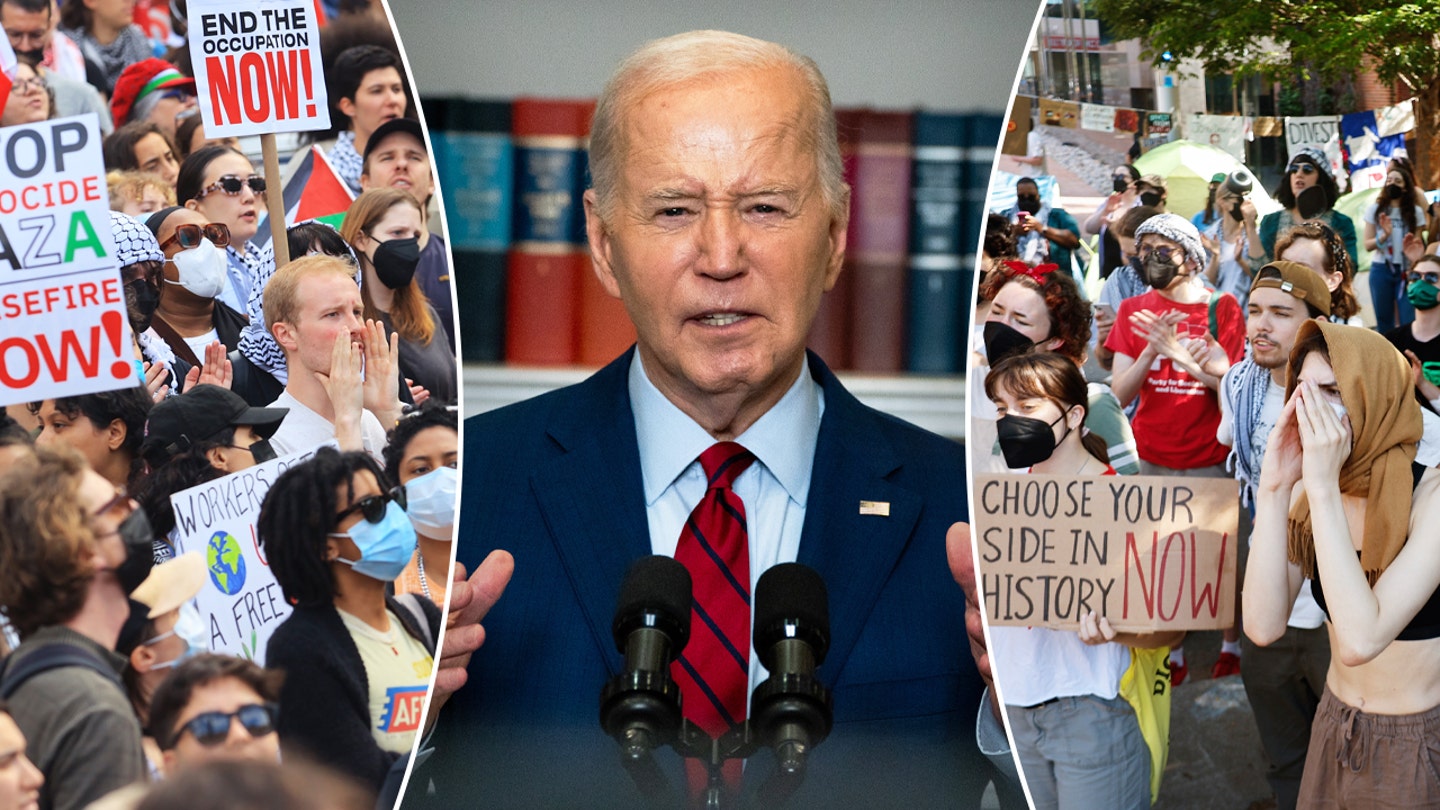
column 1343, row 303
column 1070, row 313
column 1047, row 375
column 130, row 405
column 431, row 414
column 46, row 540
column 410, row 310
column 297, row 514
column 174, row 693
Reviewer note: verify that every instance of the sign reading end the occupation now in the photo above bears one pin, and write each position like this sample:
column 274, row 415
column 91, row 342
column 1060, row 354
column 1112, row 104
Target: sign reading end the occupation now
column 1145, row 552
column 63, row 329
column 257, row 67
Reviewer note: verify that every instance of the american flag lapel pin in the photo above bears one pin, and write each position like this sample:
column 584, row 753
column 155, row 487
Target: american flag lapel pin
column 881, row 508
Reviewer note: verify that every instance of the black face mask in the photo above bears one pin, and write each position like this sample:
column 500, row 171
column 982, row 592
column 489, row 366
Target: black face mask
column 139, row 539
column 1003, row 340
column 395, row 261
column 1120, row 184
column 1026, row 442
column 1393, row 191
column 1235, row 212
column 1310, row 203
column 1150, row 198
column 1158, row 274
column 1030, row 205
column 141, row 301
column 262, row 451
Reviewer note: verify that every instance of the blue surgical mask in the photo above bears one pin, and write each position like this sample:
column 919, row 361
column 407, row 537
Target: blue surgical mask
column 385, row 547
column 190, row 628
column 430, row 502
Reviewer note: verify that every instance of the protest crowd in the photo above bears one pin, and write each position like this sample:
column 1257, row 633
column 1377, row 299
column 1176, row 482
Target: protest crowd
column 311, row 403
column 1230, row 346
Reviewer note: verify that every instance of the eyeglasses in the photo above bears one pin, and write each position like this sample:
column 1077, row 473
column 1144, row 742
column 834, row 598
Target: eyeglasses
column 177, row 95
column 373, row 506
column 190, row 234
column 144, row 270
column 25, row 87
column 1163, row 253
column 1303, row 168
column 231, row 184
column 121, row 497
column 212, row 728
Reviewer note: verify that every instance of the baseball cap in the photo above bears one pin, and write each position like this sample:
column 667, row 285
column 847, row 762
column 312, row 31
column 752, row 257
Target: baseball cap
column 1299, row 280
column 407, row 125
column 197, row 415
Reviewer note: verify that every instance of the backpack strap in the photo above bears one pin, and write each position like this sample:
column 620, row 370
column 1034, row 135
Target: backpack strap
column 51, row 656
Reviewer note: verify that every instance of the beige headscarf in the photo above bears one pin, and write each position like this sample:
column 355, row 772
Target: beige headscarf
column 1378, row 391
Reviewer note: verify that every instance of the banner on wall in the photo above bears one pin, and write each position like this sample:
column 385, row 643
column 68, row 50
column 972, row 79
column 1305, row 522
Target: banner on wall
column 1224, row 131
column 1366, row 150
column 63, row 327
column 1097, row 117
column 1145, row 552
column 257, row 67
column 241, row 602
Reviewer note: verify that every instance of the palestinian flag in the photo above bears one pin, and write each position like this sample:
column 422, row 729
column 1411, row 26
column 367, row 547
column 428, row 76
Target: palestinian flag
column 314, row 191
column 8, row 68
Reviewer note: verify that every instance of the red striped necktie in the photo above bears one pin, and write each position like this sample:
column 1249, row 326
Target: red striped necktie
column 714, row 670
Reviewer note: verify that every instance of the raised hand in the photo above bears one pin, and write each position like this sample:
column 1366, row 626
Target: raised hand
column 1325, row 437
column 217, row 368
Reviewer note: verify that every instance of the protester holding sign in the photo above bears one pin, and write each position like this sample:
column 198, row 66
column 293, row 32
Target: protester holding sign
column 1336, row 502
column 357, row 663
column 383, row 226
column 220, row 184
column 1077, row 739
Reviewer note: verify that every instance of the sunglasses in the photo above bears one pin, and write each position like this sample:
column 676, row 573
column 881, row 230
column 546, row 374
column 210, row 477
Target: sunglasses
column 212, row 728
column 231, row 184
column 373, row 506
column 1164, row 253
column 1303, row 168
column 1429, row 277
column 190, row 234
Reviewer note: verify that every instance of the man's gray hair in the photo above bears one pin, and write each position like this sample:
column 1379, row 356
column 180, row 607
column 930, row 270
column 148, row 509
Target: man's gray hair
column 684, row 57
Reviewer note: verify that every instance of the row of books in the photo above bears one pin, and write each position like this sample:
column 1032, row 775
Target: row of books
column 512, row 173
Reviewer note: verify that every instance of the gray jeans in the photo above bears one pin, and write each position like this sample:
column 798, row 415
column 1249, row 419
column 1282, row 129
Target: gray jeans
column 1079, row 753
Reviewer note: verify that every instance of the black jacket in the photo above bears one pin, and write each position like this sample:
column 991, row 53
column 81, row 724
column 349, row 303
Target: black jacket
column 324, row 701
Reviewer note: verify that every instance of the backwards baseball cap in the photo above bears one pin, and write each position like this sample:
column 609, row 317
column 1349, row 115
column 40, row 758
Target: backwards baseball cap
column 407, row 125
column 1297, row 279
column 139, row 80
column 1154, row 181
column 177, row 423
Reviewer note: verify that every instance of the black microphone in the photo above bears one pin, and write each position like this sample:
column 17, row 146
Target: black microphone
column 640, row 707
column 791, row 711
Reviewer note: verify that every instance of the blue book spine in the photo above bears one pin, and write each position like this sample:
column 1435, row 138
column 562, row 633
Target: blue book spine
column 938, row 294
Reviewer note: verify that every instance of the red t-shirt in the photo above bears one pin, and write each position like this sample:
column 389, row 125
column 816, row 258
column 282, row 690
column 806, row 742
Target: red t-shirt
column 1177, row 416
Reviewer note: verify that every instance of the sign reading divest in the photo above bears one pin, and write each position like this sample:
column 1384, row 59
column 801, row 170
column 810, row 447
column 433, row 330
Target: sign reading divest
column 63, row 329
column 257, row 67
column 1146, row 552
column 241, row 602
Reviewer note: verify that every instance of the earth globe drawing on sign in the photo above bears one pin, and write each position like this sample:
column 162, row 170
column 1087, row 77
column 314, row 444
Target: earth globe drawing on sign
column 226, row 563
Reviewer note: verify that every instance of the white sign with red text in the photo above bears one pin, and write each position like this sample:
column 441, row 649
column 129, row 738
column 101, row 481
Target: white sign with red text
column 257, row 67
column 63, row 329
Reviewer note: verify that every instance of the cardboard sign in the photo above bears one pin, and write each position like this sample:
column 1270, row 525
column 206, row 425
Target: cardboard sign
column 257, row 67
column 63, row 329
column 241, row 602
column 1146, row 552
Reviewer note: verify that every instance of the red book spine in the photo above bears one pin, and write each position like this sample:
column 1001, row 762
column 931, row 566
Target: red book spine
column 829, row 335
column 879, row 235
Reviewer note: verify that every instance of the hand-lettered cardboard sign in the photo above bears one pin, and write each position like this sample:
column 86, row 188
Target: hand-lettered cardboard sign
column 63, row 329
column 1146, row 552
column 241, row 602
column 257, row 67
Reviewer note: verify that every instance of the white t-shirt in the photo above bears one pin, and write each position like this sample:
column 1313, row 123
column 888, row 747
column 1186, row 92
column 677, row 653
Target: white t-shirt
column 303, row 429
column 1035, row 664
column 199, row 343
column 397, row 670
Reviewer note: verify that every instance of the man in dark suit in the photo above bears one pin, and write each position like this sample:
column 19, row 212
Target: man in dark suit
column 718, row 216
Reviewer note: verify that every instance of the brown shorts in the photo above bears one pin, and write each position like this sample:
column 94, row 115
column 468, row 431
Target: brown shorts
column 1371, row 760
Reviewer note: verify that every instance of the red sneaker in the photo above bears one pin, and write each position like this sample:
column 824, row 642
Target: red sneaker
column 1177, row 674
column 1226, row 665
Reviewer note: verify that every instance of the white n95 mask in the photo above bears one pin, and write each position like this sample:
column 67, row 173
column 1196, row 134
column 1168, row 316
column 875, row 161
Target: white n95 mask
column 201, row 269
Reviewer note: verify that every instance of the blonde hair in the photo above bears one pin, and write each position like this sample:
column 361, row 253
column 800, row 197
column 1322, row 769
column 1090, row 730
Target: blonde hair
column 129, row 186
column 410, row 311
column 686, row 57
column 282, row 293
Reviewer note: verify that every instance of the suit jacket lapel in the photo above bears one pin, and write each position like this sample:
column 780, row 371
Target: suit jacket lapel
column 854, row 553
column 591, row 496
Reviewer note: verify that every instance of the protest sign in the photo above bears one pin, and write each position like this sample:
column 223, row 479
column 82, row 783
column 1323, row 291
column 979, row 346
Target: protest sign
column 1310, row 132
column 240, row 602
column 1145, row 552
column 257, row 67
column 1097, row 117
column 63, row 329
